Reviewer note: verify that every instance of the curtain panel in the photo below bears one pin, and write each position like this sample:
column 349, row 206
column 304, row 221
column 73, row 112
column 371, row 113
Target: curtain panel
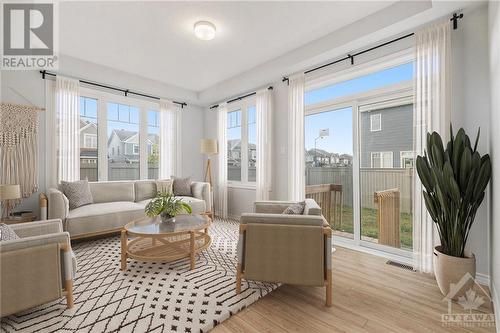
column 432, row 112
column 222, row 161
column 264, row 118
column 170, row 151
column 67, row 94
column 296, row 158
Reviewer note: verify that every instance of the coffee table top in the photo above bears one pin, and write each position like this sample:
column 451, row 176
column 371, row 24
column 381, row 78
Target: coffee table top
column 154, row 225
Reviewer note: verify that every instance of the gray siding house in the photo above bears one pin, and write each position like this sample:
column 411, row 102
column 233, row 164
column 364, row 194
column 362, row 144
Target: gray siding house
column 387, row 137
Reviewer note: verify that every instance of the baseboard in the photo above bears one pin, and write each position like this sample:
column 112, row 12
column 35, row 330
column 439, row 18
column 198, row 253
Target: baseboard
column 483, row 279
column 495, row 298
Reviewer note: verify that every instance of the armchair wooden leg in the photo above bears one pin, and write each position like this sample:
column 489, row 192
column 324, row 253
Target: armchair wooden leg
column 238, row 278
column 69, row 294
column 329, row 288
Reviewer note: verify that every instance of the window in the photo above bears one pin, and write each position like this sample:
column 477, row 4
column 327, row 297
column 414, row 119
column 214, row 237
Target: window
column 242, row 142
column 252, row 145
column 88, row 138
column 153, row 143
column 406, row 159
column 123, row 134
column 375, row 122
column 382, row 159
column 234, row 145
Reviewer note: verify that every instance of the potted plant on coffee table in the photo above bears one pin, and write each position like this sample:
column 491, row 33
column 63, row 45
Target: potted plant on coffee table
column 455, row 180
column 167, row 206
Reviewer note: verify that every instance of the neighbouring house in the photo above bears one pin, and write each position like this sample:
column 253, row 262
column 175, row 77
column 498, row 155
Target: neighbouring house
column 123, row 146
column 234, row 153
column 383, row 145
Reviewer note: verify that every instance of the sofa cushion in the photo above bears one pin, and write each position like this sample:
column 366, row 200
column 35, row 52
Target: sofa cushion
column 101, row 217
column 77, row 192
column 295, row 209
column 182, row 186
column 6, row 232
column 145, row 189
column 197, row 205
column 112, row 191
column 164, row 185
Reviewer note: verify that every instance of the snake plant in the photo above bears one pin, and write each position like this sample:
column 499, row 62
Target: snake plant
column 455, row 180
column 165, row 203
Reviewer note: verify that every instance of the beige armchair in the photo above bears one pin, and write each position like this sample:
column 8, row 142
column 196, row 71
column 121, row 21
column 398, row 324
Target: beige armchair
column 292, row 249
column 37, row 268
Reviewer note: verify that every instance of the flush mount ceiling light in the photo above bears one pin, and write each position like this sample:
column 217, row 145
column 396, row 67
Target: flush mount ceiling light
column 204, row 30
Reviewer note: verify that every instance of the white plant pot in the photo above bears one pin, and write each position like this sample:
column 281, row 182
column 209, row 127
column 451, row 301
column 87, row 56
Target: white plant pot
column 454, row 270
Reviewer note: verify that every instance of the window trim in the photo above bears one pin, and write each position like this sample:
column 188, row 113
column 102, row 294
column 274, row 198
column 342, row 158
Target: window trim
column 391, row 154
column 401, row 158
column 90, row 135
column 373, row 117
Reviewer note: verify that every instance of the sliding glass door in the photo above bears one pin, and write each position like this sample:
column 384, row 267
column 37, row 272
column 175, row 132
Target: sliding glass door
column 329, row 167
column 359, row 157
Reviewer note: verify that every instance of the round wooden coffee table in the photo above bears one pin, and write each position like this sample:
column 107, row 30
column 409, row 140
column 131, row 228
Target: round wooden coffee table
column 154, row 240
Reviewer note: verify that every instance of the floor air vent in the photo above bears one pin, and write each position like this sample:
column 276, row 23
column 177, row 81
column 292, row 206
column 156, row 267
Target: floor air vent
column 400, row 265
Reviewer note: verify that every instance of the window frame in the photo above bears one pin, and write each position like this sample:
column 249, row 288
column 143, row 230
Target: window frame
column 373, row 117
column 104, row 97
column 375, row 99
column 91, row 136
column 381, row 153
column 243, row 105
column 402, row 158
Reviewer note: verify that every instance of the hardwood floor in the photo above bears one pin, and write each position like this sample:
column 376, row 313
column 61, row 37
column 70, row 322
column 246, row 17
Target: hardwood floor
column 368, row 296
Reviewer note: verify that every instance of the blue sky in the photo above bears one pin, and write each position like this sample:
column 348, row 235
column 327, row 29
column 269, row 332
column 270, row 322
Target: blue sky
column 339, row 122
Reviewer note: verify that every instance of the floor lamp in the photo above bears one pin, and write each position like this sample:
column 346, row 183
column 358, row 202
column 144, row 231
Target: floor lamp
column 209, row 148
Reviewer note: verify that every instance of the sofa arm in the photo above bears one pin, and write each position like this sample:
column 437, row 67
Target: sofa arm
column 201, row 190
column 58, row 205
column 28, row 242
column 37, row 228
column 284, row 219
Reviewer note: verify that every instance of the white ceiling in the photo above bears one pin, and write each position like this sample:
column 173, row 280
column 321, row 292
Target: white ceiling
column 155, row 39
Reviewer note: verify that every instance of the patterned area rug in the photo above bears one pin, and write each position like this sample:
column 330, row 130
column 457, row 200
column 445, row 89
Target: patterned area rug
column 148, row 296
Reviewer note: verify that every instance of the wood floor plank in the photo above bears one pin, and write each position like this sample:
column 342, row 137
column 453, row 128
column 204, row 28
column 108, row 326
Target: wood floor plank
column 368, row 296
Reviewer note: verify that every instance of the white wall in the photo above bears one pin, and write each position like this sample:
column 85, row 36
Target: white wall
column 494, row 73
column 27, row 87
column 471, row 108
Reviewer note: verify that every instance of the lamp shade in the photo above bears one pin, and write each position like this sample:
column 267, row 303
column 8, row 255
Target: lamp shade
column 208, row 146
column 9, row 192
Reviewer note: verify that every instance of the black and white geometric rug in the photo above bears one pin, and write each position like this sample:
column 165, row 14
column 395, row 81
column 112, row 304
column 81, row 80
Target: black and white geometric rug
column 149, row 296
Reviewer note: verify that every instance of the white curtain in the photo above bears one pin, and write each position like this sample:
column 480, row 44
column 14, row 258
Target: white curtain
column 296, row 162
column 264, row 118
column 170, row 151
column 222, row 160
column 68, row 128
column 432, row 112
column 51, row 141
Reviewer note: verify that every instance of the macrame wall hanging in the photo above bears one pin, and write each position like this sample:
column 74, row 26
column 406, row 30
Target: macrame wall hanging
column 19, row 146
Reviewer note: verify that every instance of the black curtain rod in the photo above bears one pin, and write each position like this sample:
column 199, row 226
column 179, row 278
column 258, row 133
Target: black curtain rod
column 126, row 92
column 350, row 57
column 239, row 98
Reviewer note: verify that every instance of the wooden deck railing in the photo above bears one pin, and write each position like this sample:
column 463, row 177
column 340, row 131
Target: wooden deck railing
column 388, row 217
column 331, row 200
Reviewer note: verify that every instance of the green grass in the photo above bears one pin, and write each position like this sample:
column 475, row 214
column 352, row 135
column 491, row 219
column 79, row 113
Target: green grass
column 369, row 225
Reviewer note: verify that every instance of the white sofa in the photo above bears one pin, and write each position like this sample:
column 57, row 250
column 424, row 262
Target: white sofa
column 116, row 203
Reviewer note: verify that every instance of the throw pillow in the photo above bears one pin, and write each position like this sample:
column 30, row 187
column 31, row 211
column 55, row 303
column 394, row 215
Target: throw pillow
column 78, row 193
column 295, row 209
column 182, row 186
column 6, row 232
column 164, row 185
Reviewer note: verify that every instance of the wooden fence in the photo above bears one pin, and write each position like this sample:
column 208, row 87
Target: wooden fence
column 371, row 181
column 116, row 172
